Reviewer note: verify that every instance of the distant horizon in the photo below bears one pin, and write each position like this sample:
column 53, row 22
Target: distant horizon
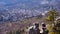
column 32, row 4
column 18, row 9
column 29, row 2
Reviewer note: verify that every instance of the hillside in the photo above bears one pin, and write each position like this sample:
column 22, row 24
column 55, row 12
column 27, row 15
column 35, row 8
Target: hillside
column 6, row 27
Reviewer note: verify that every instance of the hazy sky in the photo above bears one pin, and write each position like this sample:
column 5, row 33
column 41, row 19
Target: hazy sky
column 28, row 2
column 3, row 2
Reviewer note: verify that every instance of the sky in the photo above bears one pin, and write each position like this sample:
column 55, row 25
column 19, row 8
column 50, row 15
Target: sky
column 4, row 2
column 29, row 3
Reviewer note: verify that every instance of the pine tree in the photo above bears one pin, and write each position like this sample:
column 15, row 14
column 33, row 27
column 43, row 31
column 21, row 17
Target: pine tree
column 52, row 14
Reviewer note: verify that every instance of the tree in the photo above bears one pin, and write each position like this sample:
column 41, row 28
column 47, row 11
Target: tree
column 51, row 16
